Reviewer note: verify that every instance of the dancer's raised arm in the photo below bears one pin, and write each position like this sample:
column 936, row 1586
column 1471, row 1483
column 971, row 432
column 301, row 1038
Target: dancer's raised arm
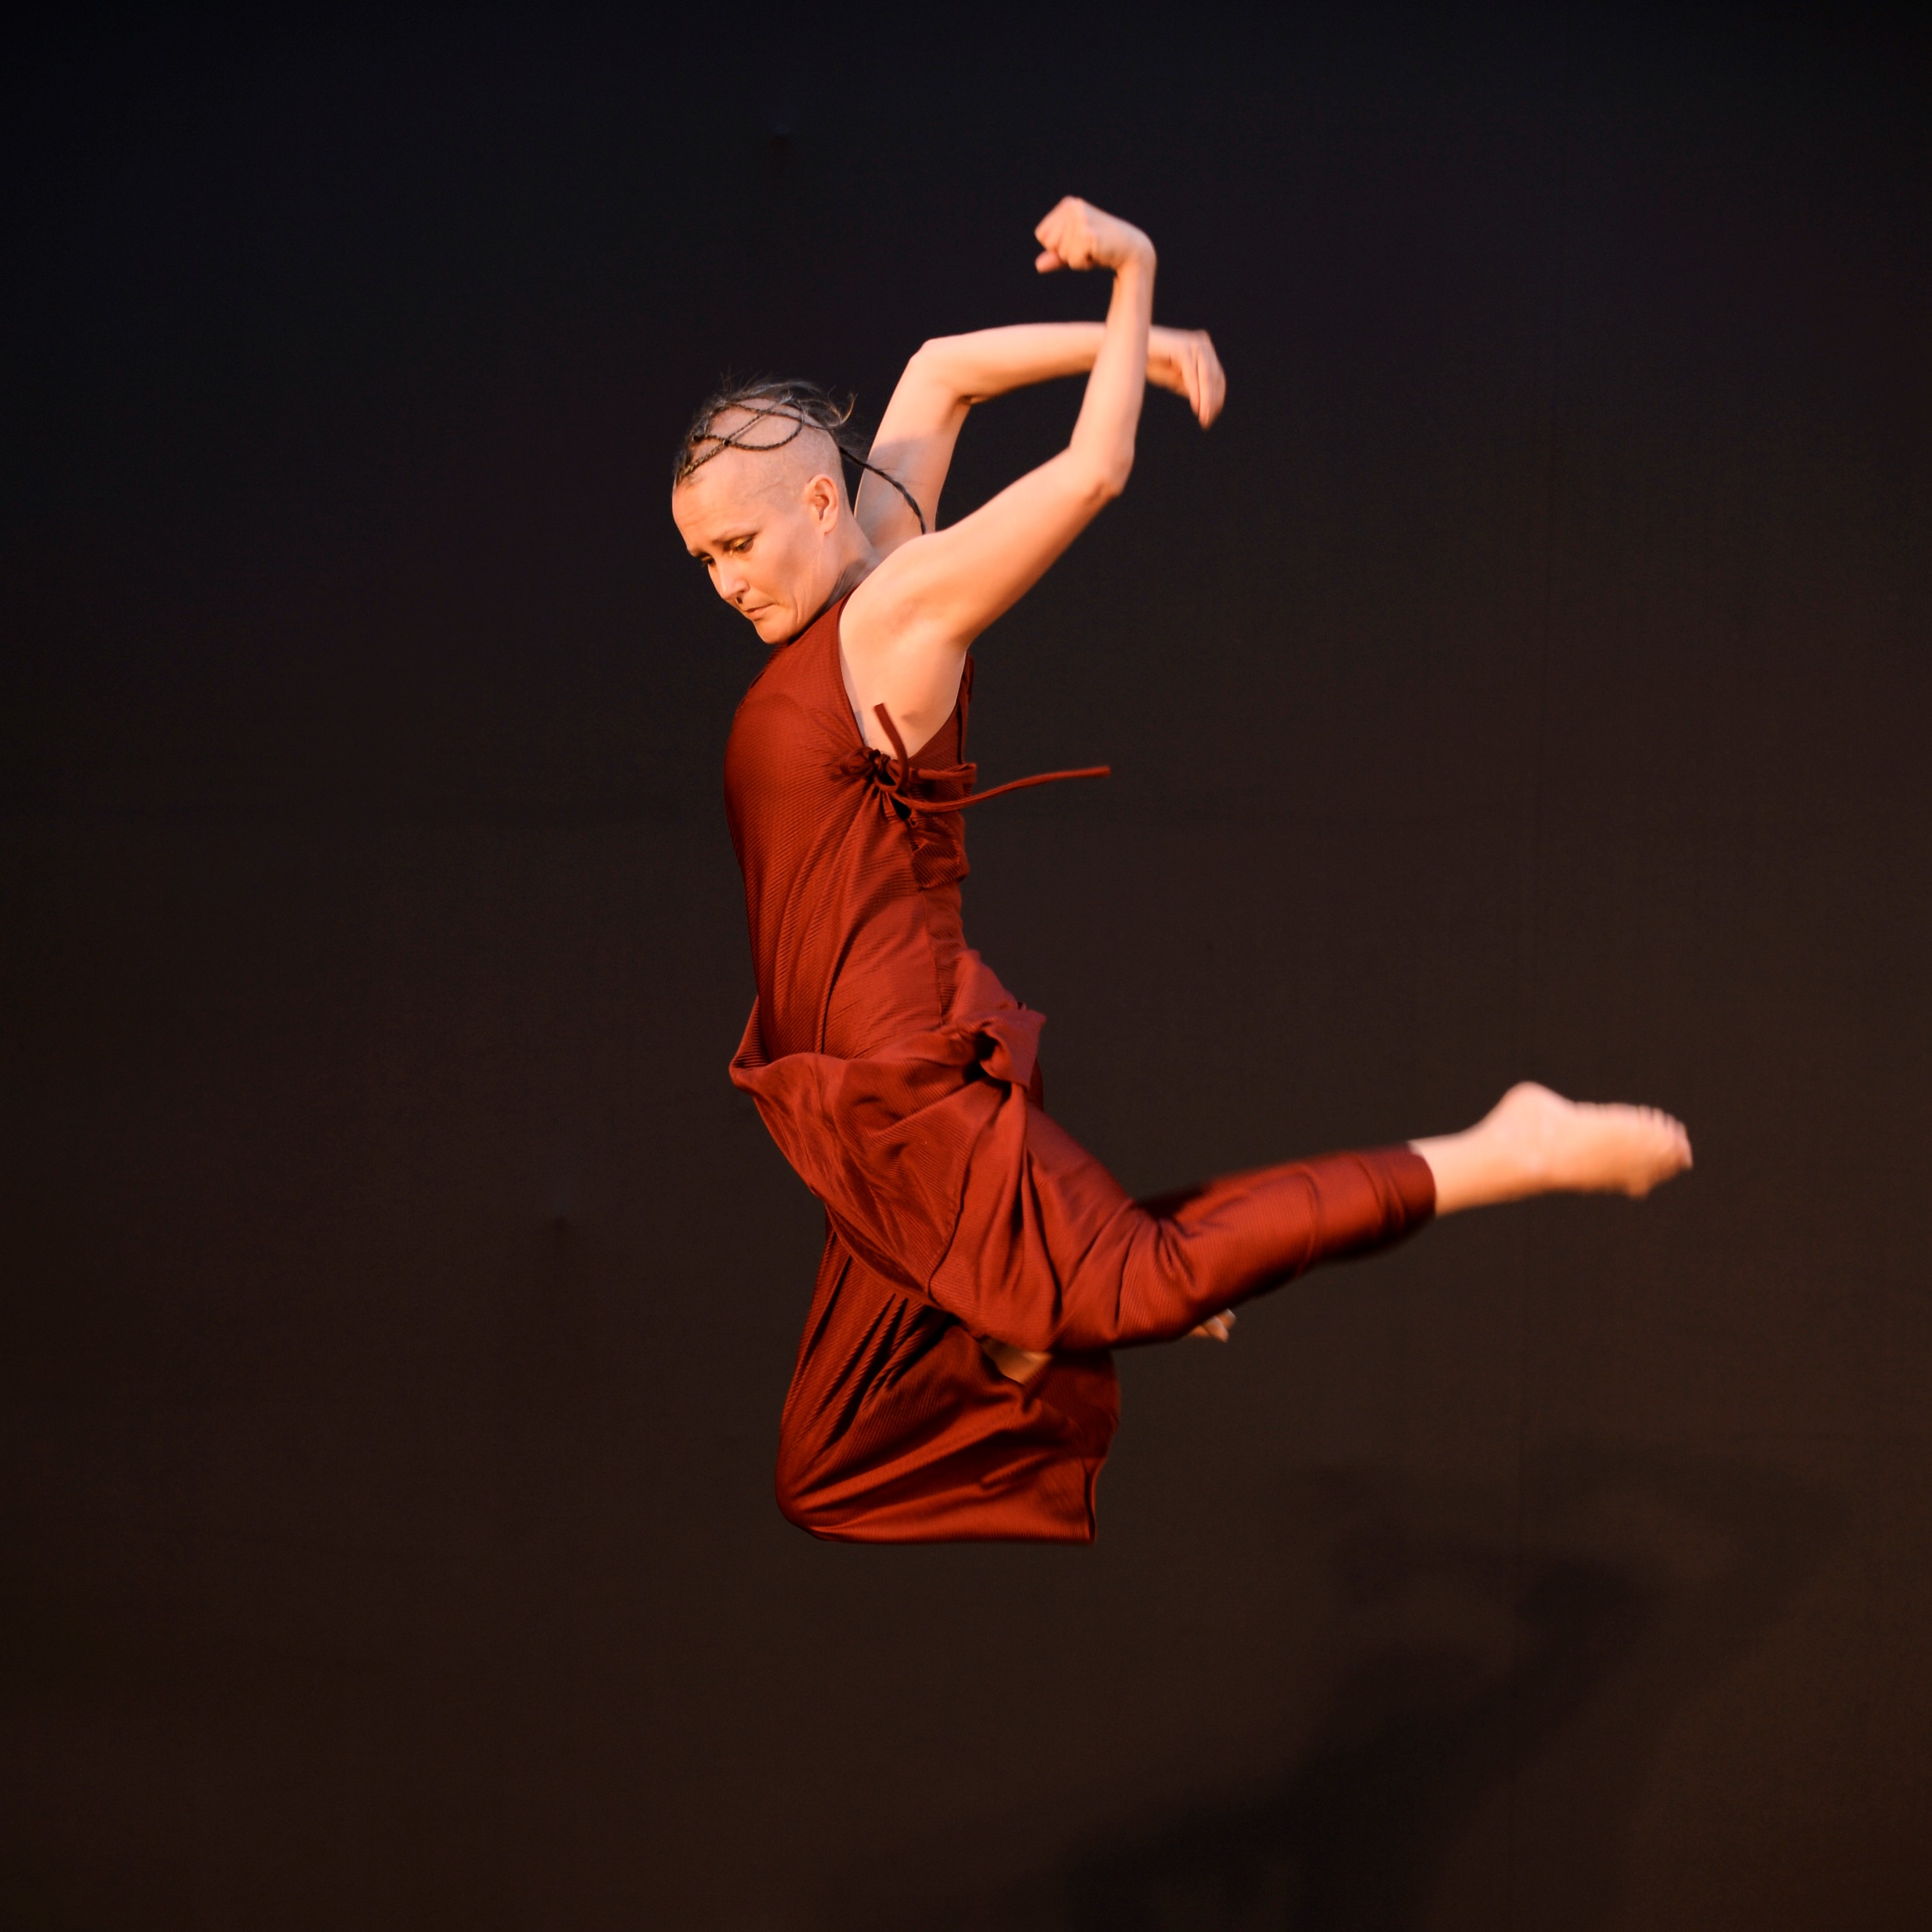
column 907, row 626
column 948, row 375
column 964, row 1226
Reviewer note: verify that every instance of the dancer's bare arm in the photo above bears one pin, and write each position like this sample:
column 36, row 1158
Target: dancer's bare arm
column 948, row 375
column 907, row 626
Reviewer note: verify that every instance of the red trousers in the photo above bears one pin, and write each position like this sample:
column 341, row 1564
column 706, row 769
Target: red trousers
column 958, row 1209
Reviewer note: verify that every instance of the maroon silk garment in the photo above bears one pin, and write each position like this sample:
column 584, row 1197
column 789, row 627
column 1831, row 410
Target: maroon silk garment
column 901, row 1080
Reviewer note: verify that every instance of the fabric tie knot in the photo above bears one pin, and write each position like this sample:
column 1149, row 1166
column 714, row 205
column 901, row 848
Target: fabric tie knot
column 892, row 778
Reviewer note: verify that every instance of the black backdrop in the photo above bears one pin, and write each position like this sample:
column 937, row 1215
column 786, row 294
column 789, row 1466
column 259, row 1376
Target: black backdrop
column 1525, row 678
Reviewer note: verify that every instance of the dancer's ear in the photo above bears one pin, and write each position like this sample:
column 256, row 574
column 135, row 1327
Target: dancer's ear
column 824, row 503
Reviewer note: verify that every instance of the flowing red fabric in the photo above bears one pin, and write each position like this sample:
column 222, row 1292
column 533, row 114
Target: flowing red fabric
column 902, row 1081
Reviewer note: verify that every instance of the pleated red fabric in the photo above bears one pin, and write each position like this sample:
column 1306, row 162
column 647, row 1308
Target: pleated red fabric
column 902, row 1081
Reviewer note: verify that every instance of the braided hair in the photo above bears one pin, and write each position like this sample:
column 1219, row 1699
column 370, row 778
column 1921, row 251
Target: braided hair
column 776, row 413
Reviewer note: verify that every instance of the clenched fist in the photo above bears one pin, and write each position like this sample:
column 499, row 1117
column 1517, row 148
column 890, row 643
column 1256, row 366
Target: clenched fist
column 1077, row 234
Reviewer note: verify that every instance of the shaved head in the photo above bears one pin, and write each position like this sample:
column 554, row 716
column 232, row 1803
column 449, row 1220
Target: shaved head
column 752, row 454
column 760, row 499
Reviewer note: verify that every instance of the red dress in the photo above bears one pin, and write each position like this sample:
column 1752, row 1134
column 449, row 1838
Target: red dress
column 900, row 1078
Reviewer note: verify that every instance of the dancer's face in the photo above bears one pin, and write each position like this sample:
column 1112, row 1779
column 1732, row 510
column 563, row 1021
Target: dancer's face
column 772, row 528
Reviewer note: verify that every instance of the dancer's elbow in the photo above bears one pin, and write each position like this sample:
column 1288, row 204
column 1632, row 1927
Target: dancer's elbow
column 939, row 363
column 1099, row 479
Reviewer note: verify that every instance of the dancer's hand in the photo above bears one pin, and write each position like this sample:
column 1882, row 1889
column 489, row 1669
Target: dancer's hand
column 905, row 630
column 1184, row 360
column 1216, row 1328
column 1077, row 234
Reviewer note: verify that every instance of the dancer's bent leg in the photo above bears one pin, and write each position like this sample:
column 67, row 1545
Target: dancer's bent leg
column 1050, row 1253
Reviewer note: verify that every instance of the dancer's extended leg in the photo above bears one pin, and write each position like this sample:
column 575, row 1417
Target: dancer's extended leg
column 896, row 1427
column 1532, row 1141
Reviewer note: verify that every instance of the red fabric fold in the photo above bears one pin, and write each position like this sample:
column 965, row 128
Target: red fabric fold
column 902, row 1081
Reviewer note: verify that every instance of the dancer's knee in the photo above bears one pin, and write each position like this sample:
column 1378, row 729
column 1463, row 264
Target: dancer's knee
column 798, row 1483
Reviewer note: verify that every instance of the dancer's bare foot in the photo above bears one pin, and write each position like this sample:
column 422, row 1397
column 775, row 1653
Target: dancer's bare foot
column 1534, row 1142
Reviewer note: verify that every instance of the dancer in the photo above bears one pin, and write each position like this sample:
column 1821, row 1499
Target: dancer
column 953, row 1381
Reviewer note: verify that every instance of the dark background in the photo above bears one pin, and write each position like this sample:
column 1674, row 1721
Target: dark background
column 1527, row 677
